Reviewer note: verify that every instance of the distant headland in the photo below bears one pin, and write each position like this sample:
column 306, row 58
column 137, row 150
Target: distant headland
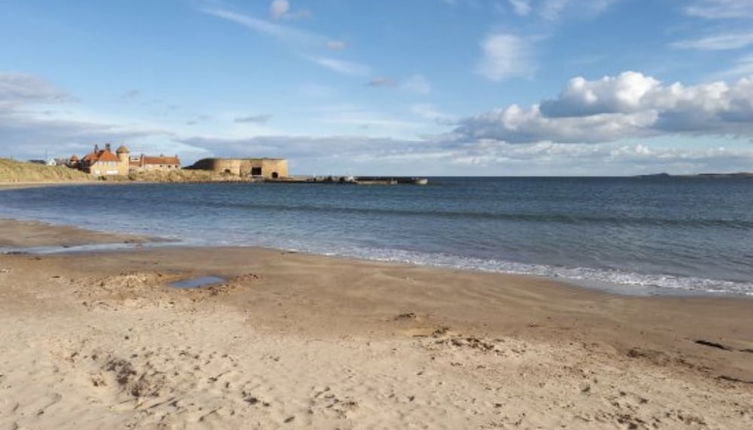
column 700, row 175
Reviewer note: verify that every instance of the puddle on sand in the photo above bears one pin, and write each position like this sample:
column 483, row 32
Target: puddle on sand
column 199, row 282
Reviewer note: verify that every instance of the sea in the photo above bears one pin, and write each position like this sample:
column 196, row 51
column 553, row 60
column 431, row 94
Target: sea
column 636, row 235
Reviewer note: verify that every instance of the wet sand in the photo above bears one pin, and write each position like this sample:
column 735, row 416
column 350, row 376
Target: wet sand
column 295, row 340
column 33, row 234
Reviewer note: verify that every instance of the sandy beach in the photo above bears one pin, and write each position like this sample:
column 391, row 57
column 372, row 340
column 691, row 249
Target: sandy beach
column 96, row 340
column 30, row 234
column 439, row 214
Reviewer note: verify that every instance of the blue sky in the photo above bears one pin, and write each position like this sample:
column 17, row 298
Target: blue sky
column 415, row 87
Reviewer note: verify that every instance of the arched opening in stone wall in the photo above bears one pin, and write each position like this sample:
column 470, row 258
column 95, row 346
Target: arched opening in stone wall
column 275, row 175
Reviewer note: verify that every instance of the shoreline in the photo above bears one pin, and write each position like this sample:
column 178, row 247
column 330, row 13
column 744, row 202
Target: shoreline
column 35, row 184
column 42, row 184
column 67, row 239
column 305, row 340
column 591, row 284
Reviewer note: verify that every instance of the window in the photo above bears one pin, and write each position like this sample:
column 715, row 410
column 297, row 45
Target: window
column 256, row 171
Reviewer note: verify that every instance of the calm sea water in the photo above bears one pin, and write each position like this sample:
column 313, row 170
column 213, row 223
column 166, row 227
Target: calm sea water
column 635, row 235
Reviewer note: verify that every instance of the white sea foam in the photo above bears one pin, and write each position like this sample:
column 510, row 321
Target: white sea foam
column 623, row 282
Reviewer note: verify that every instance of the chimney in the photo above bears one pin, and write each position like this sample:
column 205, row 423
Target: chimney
column 107, row 146
column 96, row 148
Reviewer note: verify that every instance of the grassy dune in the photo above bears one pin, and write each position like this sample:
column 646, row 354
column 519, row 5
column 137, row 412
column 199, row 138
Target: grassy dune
column 12, row 171
column 17, row 171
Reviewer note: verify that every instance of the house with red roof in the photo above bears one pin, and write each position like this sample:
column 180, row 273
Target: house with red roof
column 146, row 162
column 103, row 162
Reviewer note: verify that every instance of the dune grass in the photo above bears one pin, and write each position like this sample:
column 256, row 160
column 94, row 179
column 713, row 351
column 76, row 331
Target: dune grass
column 19, row 171
column 12, row 171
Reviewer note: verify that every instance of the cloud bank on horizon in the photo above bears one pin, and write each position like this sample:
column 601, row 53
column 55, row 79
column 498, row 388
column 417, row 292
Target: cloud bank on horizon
column 630, row 105
column 535, row 87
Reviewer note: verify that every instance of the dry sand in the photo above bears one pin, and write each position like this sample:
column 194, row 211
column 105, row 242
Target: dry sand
column 291, row 340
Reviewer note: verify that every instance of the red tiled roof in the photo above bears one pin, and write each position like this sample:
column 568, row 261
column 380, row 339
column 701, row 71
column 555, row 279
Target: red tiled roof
column 160, row 160
column 101, row 155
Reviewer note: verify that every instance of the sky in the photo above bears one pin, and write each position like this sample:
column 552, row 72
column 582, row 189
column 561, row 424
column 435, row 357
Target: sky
column 400, row 87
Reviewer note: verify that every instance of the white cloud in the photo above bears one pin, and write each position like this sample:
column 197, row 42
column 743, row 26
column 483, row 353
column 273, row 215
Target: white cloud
column 596, row 6
column 518, row 125
column 626, row 106
column 336, row 154
column 258, row 119
column 549, row 158
column 278, row 8
column 611, row 94
column 281, row 32
column 718, row 42
column 742, row 67
column 32, row 132
column 521, row 7
column 381, row 81
column 384, row 156
column 37, row 117
column 417, row 84
column 336, row 45
column 298, row 38
column 553, row 9
column 19, row 88
column 368, row 121
column 341, row 66
column 721, row 9
column 505, row 56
